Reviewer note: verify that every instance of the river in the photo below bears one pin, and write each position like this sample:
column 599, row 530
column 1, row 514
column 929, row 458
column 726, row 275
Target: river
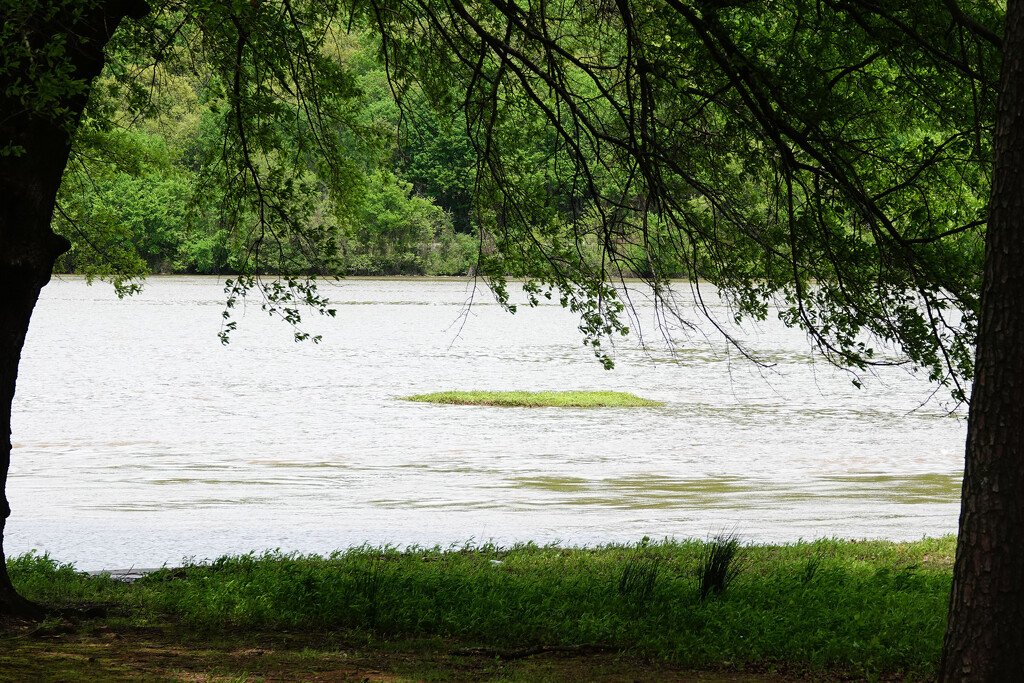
column 140, row 440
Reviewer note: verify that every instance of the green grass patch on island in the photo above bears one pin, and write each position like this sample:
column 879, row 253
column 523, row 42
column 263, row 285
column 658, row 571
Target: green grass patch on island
column 538, row 399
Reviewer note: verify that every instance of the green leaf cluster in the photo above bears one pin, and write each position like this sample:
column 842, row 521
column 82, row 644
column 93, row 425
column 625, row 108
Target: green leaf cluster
column 826, row 160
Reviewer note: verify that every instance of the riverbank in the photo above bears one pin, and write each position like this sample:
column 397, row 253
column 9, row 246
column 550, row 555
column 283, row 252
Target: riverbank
column 825, row 609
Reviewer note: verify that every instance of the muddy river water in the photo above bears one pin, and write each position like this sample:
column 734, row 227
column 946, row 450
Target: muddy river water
column 140, row 440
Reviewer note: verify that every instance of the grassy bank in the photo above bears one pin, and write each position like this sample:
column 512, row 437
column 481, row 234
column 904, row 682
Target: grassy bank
column 827, row 608
column 540, row 399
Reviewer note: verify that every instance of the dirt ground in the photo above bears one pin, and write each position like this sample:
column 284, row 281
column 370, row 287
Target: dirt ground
column 101, row 652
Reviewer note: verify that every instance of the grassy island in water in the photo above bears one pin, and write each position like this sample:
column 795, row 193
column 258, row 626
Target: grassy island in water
column 539, row 399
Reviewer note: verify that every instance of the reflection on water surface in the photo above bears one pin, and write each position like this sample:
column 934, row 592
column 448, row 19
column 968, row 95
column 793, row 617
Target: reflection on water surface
column 147, row 441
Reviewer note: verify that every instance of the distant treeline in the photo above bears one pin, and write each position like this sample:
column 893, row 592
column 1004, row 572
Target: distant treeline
column 139, row 196
column 141, row 204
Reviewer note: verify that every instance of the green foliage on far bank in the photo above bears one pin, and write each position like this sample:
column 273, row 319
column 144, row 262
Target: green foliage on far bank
column 865, row 608
column 539, row 399
column 144, row 191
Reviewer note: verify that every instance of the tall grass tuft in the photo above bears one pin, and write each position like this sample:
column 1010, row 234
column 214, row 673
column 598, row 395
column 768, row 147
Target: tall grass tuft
column 368, row 582
column 810, row 569
column 638, row 577
column 720, row 564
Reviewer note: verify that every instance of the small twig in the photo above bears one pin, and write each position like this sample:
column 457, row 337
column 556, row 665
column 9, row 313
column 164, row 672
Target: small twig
column 582, row 648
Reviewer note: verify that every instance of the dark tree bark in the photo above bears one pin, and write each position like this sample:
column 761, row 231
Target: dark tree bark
column 28, row 187
column 985, row 634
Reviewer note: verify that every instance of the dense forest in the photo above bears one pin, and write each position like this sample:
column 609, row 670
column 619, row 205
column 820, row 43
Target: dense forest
column 139, row 195
column 143, row 192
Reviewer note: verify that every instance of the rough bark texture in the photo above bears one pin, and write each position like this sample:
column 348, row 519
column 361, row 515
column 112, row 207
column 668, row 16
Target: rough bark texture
column 985, row 635
column 28, row 187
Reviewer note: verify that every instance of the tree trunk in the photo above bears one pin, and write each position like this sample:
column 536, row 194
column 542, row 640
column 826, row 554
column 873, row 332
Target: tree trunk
column 24, row 269
column 985, row 634
column 28, row 184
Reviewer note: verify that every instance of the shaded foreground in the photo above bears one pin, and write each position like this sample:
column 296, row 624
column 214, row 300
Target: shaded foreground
column 824, row 610
column 102, row 653
column 538, row 399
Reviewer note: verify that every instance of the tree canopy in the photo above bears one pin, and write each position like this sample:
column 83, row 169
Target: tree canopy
column 803, row 154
